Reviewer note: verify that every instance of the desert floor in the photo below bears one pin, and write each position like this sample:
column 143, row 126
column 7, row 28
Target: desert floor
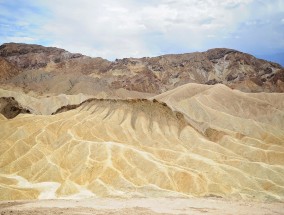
column 140, row 206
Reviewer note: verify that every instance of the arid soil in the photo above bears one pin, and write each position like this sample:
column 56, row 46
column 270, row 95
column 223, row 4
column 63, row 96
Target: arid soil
column 140, row 206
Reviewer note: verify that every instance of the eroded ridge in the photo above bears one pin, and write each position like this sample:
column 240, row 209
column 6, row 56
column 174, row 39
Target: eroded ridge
column 146, row 148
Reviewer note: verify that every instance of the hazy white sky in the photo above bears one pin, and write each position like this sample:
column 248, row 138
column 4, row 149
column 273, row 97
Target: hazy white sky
column 132, row 28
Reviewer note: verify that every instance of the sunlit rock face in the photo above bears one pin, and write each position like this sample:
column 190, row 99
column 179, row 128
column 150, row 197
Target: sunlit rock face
column 196, row 140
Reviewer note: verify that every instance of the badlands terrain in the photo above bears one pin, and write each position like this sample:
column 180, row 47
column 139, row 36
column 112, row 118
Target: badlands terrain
column 203, row 129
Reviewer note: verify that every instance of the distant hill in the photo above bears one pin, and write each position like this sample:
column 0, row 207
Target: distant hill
column 52, row 70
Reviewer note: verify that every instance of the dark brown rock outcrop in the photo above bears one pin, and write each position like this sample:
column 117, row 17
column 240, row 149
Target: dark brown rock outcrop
column 10, row 108
column 7, row 70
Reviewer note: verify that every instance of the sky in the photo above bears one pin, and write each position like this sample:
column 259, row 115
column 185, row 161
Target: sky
column 136, row 28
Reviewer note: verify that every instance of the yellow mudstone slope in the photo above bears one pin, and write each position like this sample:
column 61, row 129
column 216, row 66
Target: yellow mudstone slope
column 196, row 140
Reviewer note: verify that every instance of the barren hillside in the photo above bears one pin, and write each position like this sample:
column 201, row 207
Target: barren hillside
column 52, row 70
column 206, row 124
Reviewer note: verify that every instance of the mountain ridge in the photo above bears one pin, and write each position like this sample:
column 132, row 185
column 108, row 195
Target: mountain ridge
column 52, row 70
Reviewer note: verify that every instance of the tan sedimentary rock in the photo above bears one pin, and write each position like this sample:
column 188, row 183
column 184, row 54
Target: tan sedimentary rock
column 196, row 140
column 44, row 105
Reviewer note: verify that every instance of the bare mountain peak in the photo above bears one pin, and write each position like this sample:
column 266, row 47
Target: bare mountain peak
column 31, row 56
column 12, row 49
column 51, row 65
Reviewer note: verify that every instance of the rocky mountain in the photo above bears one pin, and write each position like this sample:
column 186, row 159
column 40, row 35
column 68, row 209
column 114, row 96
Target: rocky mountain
column 52, row 70
column 33, row 56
